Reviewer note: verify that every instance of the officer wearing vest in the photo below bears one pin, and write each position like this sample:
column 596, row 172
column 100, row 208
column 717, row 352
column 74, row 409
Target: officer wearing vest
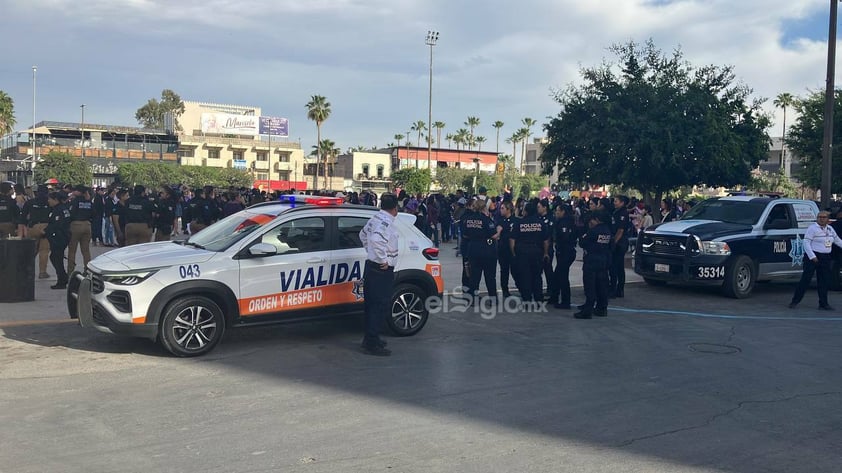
column 35, row 215
column 165, row 215
column 463, row 244
column 9, row 211
column 548, row 220
column 504, row 253
column 565, row 250
column 482, row 248
column 138, row 213
column 596, row 243
column 81, row 214
column 620, row 225
column 57, row 234
column 530, row 245
column 203, row 210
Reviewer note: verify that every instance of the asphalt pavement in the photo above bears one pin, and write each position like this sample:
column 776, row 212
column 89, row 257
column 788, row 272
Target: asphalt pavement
column 674, row 379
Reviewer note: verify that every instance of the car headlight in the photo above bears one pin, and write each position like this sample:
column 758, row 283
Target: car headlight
column 717, row 248
column 128, row 279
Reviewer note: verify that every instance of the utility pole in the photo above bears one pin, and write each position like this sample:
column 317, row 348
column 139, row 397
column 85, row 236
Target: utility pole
column 432, row 37
column 34, row 144
column 82, row 130
column 827, row 144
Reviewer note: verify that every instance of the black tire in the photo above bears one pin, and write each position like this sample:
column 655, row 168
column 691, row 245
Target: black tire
column 654, row 282
column 72, row 295
column 191, row 326
column 408, row 312
column 740, row 277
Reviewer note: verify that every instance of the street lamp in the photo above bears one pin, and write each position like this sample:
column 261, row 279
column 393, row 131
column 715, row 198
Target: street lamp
column 432, row 37
column 34, row 145
column 82, row 129
column 827, row 144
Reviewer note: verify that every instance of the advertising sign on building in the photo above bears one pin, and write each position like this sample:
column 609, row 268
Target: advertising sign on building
column 239, row 164
column 274, row 126
column 228, row 124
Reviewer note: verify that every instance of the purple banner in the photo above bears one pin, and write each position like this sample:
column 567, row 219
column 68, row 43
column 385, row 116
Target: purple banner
column 274, row 126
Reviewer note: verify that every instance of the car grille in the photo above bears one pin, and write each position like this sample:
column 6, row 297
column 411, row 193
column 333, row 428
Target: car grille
column 97, row 285
column 664, row 245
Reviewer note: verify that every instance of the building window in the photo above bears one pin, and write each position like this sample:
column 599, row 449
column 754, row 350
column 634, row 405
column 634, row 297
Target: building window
column 262, row 156
column 186, row 152
column 379, row 171
column 283, row 176
column 365, row 170
column 213, row 154
column 238, row 155
column 531, row 156
column 284, row 158
column 262, row 176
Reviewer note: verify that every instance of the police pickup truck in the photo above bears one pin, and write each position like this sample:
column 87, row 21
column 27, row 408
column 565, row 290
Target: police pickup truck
column 730, row 241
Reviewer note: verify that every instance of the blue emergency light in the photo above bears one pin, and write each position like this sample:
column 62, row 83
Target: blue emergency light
column 310, row 199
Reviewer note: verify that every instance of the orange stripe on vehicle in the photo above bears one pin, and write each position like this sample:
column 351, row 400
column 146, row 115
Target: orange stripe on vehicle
column 345, row 293
column 139, row 320
column 434, row 270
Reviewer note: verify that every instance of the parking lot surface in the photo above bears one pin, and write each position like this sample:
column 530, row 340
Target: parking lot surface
column 674, row 379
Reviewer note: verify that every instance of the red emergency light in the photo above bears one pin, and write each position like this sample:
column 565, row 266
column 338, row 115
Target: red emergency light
column 311, row 200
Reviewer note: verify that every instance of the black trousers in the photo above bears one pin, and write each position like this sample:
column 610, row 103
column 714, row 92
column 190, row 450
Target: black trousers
column 595, row 281
column 484, row 267
column 529, row 263
column 504, row 259
column 96, row 229
column 823, row 274
column 378, row 297
column 561, row 276
column 547, row 267
column 57, row 248
column 617, row 273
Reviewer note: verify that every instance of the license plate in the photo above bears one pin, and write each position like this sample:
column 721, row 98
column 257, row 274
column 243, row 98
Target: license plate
column 662, row 268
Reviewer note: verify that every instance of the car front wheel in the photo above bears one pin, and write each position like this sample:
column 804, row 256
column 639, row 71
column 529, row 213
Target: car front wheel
column 192, row 326
column 408, row 310
column 740, row 276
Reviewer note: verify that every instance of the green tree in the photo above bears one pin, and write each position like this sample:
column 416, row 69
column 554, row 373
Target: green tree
column 472, row 123
column 420, row 126
column 65, row 167
column 7, row 113
column 462, row 138
column 522, row 135
column 152, row 114
column 772, row 182
column 479, row 141
column 399, row 137
column 318, row 110
column 149, row 174
column 784, row 100
column 412, row 180
column 498, row 125
column 439, row 126
column 452, row 178
column 806, row 136
column 484, row 179
column 654, row 122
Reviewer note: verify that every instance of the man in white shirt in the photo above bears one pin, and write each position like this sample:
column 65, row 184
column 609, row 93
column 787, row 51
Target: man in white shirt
column 380, row 240
column 818, row 241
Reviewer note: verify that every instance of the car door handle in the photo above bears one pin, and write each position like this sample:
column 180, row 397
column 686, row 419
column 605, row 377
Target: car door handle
column 315, row 260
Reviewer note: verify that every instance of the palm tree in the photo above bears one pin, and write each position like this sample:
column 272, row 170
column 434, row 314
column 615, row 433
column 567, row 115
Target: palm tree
column 472, row 123
column 513, row 140
column 449, row 137
column 419, row 126
column 523, row 137
column 463, row 137
column 480, row 140
column 439, row 126
column 498, row 125
column 399, row 137
column 783, row 101
column 318, row 110
column 7, row 114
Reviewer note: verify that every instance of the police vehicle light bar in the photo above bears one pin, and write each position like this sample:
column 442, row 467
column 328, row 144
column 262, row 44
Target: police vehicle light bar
column 312, row 200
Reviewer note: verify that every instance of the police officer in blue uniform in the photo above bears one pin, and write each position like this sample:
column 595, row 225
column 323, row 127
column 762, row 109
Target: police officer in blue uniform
column 504, row 252
column 596, row 243
column 620, row 225
column 35, row 215
column 164, row 214
column 58, row 234
column 9, row 211
column 81, row 214
column 548, row 219
column 482, row 237
column 564, row 229
column 530, row 247
column 463, row 244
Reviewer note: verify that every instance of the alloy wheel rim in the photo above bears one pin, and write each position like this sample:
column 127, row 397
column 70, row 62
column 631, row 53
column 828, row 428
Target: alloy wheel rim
column 407, row 311
column 194, row 328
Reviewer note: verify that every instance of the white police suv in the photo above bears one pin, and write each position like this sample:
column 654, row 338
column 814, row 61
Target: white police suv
column 296, row 259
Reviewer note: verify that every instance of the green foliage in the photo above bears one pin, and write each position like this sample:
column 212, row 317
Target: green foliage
column 529, row 184
column 772, row 182
column 654, row 122
column 152, row 114
column 65, row 167
column 484, row 179
column 452, row 178
column 7, row 113
column 157, row 174
column 412, row 180
column 807, row 134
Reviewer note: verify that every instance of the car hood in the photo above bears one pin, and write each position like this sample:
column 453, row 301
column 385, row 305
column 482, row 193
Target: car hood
column 704, row 229
column 149, row 255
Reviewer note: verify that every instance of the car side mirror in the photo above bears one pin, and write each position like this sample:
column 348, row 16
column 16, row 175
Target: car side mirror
column 263, row 249
column 779, row 224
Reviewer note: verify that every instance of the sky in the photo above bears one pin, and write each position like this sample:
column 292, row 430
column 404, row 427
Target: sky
column 495, row 60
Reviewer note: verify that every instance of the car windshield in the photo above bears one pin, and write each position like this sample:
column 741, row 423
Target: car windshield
column 221, row 235
column 731, row 211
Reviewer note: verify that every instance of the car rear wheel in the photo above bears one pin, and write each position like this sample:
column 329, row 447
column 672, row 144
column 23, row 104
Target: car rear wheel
column 740, row 276
column 408, row 310
column 192, row 326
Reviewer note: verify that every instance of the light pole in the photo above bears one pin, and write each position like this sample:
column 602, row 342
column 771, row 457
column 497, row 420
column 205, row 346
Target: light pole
column 34, row 144
column 82, row 129
column 432, row 37
column 827, row 144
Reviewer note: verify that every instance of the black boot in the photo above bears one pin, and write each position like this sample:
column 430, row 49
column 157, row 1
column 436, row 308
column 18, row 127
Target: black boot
column 582, row 314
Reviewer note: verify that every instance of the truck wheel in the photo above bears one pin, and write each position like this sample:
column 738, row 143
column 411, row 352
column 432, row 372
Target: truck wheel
column 740, row 275
column 408, row 312
column 654, row 282
column 191, row 326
